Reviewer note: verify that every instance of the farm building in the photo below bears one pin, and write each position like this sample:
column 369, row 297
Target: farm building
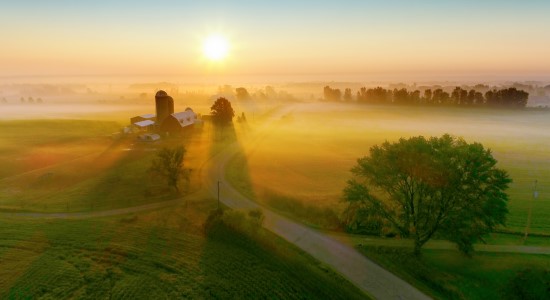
column 146, row 117
column 165, row 120
column 149, row 137
column 164, row 105
column 146, row 125
column 179, row 122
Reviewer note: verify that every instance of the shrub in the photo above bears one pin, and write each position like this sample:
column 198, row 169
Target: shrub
column 234, row 220
column 528, row 284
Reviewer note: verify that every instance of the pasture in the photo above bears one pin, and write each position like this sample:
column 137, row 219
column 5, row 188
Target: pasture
column 66, row 165
column 301, row 165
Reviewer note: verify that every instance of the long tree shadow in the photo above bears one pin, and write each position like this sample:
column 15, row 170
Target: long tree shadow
column 238, row 262
column 230, row 138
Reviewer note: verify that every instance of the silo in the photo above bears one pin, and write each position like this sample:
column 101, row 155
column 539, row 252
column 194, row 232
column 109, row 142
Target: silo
column 164, row 105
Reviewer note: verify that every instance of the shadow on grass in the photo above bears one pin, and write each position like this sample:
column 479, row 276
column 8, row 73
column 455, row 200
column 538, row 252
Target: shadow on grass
column 243, row 261
column 238, row 174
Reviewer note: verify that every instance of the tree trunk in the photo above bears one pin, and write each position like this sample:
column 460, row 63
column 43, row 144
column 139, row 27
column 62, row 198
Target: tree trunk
column 417, row 247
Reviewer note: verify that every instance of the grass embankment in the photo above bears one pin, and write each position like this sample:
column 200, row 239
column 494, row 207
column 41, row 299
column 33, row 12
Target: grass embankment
column 447, row 274
column 162, row 255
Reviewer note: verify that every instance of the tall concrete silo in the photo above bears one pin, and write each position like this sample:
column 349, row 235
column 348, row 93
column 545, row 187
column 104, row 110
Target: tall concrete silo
column 164, row 105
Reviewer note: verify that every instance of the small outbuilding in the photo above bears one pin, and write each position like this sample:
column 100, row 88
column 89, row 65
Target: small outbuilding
column 147, row 125
column 145, row 117
column 149, row 137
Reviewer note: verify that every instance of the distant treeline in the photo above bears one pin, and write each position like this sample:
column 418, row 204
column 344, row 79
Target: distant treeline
column 510, row 97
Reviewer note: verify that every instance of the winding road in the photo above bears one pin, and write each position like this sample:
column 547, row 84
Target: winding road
column 343, row 258
column 334, row 250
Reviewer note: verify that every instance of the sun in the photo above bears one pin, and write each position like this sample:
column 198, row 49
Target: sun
column 215, row 47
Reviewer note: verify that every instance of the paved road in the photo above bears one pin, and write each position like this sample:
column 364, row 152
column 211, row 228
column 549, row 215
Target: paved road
column 335, row 250
column 351, row 239
column 365, row 274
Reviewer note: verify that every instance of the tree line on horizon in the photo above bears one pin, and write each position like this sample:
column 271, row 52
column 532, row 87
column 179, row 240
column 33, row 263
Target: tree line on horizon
column 507, row 97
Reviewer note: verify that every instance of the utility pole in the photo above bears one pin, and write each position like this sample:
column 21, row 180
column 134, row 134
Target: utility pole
column 535, row 196
column 218, row 194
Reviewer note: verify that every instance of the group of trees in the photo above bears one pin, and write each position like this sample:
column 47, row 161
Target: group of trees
column 29, row 100
column 267, row 93
column 510, row 97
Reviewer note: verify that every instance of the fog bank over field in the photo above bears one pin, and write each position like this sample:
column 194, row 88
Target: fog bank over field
column 53, row 97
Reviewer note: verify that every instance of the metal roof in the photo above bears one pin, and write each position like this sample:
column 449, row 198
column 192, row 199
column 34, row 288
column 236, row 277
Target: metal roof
column 148, row 116
column 185, row 118
column 144, row 123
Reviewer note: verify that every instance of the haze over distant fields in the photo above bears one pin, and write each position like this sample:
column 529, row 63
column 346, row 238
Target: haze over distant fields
column 343, row 40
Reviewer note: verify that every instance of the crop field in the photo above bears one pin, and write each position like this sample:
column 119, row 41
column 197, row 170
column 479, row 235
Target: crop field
column 162, row 254
column 301, row 166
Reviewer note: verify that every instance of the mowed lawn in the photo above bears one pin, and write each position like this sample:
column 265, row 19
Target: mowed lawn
column 306, row 156
column 163, row 254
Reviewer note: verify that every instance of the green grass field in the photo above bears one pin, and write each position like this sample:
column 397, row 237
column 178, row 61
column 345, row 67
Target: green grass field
column 298, row 168
column 301, row 167
column 306, row 157
column 162, row 254
column 90, row 170
column 446, row 274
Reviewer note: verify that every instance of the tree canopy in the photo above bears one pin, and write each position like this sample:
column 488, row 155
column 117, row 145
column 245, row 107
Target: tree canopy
column 222, row 112
column 421, row 188
column 510, row 97
column 242, row 94
column 168, row 164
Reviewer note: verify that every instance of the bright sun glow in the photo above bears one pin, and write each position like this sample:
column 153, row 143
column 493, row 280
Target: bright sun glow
column 215, row 47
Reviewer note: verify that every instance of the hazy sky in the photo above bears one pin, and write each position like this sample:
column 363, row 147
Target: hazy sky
column 434, row 37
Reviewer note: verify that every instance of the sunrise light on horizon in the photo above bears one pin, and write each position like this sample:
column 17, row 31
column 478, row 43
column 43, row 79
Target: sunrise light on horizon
column 424, row 38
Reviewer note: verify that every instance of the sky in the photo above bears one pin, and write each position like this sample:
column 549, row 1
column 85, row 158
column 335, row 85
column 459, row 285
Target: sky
column 331, row 39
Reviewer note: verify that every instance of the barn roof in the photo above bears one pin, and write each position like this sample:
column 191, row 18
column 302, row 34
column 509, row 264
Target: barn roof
column 148, row 116
column 185, row 118
column 144, row 123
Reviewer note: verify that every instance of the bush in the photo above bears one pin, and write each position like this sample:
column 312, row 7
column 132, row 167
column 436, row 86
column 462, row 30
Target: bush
column 234, row 220
column 528, row 284
column 257, row 216
column 212, row 221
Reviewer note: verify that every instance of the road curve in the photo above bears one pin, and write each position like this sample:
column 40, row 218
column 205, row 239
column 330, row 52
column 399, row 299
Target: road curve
column 343, row 258
column 335, row 250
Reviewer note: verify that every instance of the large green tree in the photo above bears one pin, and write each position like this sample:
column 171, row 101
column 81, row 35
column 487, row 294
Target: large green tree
column 441, row 186
column 222, row 112
column 168, row 164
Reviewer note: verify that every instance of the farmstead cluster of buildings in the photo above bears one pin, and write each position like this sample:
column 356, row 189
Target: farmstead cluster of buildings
column 165, row 121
